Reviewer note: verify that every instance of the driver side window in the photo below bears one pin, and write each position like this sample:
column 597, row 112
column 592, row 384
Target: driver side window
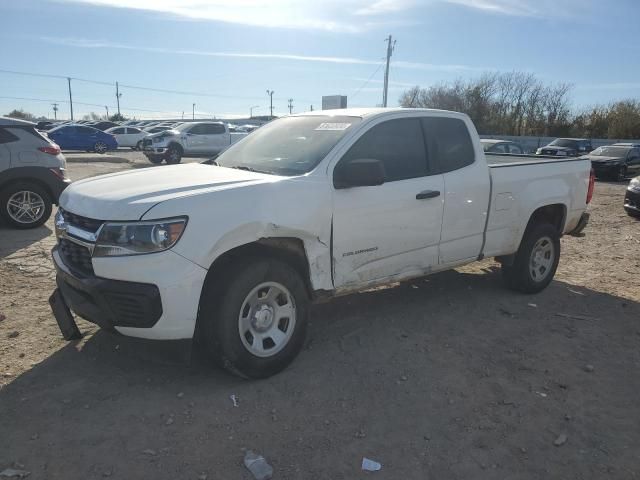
column 398, row 144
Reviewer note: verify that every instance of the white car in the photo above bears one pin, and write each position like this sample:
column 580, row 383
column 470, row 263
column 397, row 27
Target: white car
column 306, row 207
column 128, row 136
column 193, row 139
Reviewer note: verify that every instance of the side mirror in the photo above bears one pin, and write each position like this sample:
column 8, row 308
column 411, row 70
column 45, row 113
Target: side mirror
column 363, row 172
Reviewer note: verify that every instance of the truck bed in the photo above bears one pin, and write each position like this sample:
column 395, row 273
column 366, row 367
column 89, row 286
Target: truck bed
column 522, row 183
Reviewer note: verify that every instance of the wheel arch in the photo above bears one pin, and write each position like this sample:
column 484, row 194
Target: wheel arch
column 289, row 250
column 20, row 179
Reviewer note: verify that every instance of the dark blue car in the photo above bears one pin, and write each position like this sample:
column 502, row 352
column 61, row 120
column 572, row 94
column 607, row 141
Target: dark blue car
column 81, row 137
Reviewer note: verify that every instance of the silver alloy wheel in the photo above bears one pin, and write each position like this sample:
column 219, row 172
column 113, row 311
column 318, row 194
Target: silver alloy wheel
column 267, row 319
column 542, row 258
column 174, row 155
column 100, row 147
column 25, row 207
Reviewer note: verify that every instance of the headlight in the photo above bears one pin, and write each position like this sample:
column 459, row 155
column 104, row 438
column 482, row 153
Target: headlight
column 635, row 183
column 133, row 238
column 539, row 151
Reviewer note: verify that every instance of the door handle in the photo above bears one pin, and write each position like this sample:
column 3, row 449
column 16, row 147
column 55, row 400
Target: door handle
column 427, row 194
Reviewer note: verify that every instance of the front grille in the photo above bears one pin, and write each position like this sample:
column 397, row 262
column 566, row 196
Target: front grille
column 76, row 256
column 548, row 152
column 84, row 223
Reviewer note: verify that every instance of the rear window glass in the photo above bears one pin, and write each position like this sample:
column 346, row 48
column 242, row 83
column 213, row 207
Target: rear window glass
column 6, row 136
column 450, row 146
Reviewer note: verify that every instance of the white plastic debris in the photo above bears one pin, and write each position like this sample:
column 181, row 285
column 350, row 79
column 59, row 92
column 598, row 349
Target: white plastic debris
column 532, row 305
column 258, row 466
column 370, row 465
column 234, row 399
column 13, row 473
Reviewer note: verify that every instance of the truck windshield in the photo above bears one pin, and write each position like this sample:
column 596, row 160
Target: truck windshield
column 289, row 146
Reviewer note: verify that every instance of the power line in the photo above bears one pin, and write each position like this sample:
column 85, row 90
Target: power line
column 368, row 80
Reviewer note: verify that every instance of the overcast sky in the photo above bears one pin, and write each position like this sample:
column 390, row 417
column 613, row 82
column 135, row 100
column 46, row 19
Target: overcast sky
column 225, row 54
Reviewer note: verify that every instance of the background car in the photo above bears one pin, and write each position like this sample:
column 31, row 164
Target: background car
column 104, row 125
column 632, row 198
column 32, row 174
column 567, row 147
column 128, row 136
column 490, row 145
column 615, row 161
column 81, row 137
column 158, row 129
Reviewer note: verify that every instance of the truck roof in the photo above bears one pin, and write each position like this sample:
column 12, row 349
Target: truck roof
column 368, row 112
column 7, row 121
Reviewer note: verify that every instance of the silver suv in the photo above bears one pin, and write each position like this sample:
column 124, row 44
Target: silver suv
column 32, row 174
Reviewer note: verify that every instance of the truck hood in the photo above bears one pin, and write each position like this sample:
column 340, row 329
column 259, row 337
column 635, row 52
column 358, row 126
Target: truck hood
column 603, row 159
column 128, row 195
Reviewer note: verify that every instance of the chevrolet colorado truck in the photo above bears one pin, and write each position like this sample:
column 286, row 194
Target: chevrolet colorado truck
column 194, row 139
column 232, row 252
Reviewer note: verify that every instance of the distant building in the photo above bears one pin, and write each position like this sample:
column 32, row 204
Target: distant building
column 331, row 102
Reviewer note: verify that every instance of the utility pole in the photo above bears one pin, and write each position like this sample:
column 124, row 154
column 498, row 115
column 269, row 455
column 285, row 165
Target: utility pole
column 290, row 106
column 55, row 111
column 312, row 108
column 193, row 112
column 107, row 109
column 270, row 93
column 118, row 95
column 183, row 115
column 251, row 110
column 70, row 98
column 391, row 45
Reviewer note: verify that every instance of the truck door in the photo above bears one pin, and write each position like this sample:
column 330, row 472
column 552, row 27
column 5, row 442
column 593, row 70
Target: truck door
column 193, row 139
column 6, row 138
column 217, row 138
column 392, row 229
column 466, row 186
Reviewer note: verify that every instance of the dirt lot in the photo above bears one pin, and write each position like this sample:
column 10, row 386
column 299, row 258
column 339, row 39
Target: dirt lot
column 444, row 378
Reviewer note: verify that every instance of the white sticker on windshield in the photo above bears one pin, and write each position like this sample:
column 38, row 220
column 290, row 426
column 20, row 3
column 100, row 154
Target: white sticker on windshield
column 333, row 126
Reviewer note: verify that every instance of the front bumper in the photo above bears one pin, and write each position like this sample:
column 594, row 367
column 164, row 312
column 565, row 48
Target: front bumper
column 605, row 169
column 108, row 303
column 632, row 201
column 154, row 296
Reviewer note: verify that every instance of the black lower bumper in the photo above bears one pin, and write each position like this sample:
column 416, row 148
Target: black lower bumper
column 108, row 303
column 606, row 170
column 632, row 202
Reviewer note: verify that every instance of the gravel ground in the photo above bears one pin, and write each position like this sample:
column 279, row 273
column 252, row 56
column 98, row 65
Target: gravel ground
column 446, row 377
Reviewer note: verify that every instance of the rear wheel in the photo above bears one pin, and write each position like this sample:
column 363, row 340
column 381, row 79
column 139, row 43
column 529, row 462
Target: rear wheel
column 138, row 145
column 254, row 324
column 155, row 160
column 174, row 154
column 25, row 205
column 536, row 261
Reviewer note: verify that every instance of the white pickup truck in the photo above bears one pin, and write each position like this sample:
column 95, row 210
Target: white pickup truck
column 193, row 139
column 233, row 252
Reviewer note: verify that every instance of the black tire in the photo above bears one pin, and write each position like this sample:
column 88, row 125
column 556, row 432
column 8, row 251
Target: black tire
column 174, row 154
column 621, row 173
column 138, row 145
column 155, row 160
column 221, row 304
column 521, row 275
column 8, row 192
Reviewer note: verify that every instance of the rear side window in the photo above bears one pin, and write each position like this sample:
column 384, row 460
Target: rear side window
column 515, row 149
column 6, row 136
column 117, row 131
column 133, row 130
column 398, row 144
column 449, row 143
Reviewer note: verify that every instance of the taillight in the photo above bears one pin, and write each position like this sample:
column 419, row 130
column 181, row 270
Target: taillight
column 51, row 149
column 592, row 184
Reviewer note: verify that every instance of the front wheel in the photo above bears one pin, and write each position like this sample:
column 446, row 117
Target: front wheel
column 255, row 324
column 138, row 145
column 100, row 147
column 174, row 155
column 536, row 261
column 621, row 173
column 25, row 205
